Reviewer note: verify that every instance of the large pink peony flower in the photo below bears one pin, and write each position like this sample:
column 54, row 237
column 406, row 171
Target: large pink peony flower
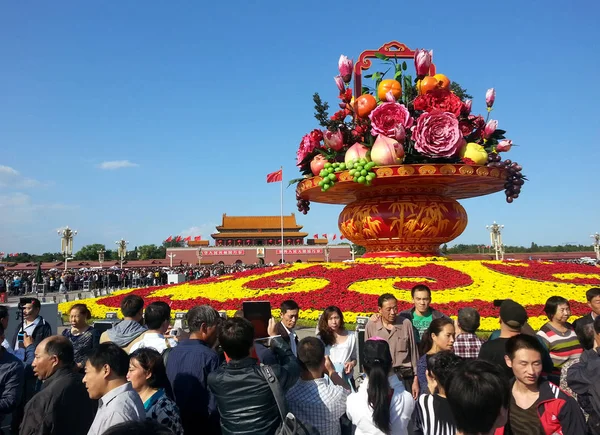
column 437, row 134
column 386, row 118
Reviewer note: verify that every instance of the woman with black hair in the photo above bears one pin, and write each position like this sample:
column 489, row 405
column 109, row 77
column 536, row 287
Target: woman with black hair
column 558, row 334
column 381, row 405
column 437, row 338
column 83, row 336
column 433, row 415
column 340, row 344
column 148, row 377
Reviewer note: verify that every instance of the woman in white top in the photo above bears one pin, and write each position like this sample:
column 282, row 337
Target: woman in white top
column 381, row 406
column 340, row 344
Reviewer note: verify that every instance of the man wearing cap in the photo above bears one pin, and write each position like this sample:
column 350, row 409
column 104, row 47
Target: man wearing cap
column 513, row 318
column 467, row 345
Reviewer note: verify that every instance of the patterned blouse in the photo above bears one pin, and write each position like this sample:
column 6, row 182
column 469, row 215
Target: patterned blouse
column 163, row 410
column 83, row 343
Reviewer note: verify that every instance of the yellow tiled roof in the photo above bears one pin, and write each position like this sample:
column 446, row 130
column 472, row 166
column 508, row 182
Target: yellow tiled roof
column 258, row 222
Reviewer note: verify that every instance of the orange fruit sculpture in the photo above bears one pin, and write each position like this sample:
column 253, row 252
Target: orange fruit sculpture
column 430, row 83
column 389, row 85
column 365, row 105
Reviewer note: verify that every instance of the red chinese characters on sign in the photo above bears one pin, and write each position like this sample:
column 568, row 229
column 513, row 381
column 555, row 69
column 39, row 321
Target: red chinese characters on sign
column 224, row 252
column 300, row 251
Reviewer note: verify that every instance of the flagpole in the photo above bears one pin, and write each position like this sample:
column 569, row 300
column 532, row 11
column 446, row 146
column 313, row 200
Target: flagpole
column 281, row 182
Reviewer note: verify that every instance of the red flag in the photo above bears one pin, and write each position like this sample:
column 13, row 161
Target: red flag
column 342, row 237
column 274, row 177
column 169, row 239
column 188, row 239
column 178, row 239
column 315, row 236
column 197, row 238
column 334, row 237
column 324, row 236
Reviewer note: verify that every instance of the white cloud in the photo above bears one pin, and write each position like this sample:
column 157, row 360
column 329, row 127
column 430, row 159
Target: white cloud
column 204, row 230
column 117, row 164
column 19, row 208
column 7, row 170
column 11, row 178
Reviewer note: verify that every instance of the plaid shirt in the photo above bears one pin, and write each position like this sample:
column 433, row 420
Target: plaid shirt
column 467, row 345
column 319, row 403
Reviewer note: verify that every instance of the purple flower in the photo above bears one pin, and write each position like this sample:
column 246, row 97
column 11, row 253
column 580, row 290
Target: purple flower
column 340, row 83
column 490, row 128
column 423, row 59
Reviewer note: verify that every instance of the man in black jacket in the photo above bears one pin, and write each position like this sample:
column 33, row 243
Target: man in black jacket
column 244, row 398
column 11, row 380
column 63, row 406
column 27, row 337
column 593, row 298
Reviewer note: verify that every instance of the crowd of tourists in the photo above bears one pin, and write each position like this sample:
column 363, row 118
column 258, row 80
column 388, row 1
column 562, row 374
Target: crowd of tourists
column 413, row 372
column 21, row 283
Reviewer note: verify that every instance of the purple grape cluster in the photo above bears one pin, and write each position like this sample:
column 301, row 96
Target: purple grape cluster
column 303, row 204
column 514, row 178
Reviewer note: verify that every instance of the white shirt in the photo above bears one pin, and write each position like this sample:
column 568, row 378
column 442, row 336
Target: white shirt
column 292, row 335
column 154, row 340
column 6, row 345
column 343, row 352
column 117, row 406
column 361, row 413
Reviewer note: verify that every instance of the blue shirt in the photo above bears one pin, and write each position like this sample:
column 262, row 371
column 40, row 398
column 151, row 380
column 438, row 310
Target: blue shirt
column 188, row 367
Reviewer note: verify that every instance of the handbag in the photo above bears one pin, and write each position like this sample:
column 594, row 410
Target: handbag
column 290, row 425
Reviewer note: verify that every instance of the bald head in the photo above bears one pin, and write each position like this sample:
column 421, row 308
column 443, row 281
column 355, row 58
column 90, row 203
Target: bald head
column 52, row 354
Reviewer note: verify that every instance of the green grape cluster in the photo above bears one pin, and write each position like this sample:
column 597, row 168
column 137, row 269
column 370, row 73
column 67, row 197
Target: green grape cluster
column 362, row 171
column 328, row 174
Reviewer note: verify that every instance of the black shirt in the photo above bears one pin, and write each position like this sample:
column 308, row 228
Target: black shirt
column 433, row 416
column 524, row 421
column 494, row 351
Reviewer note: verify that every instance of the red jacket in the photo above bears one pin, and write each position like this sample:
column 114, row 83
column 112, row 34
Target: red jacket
column 559, row 413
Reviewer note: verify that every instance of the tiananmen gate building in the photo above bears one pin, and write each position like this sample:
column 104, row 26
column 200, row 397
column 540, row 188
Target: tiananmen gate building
column 257, row 239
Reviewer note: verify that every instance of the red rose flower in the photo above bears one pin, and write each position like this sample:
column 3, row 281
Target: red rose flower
column 466, row 128
column 439, row 99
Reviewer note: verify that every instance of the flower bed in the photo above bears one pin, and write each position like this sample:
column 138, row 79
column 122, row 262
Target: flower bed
column 355, row 287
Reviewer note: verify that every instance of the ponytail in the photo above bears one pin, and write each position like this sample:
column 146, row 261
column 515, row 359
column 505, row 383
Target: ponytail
column 378, row 393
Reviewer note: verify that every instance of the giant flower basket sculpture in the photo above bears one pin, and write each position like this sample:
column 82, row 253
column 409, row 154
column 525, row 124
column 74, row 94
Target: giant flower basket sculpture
column 400, row 154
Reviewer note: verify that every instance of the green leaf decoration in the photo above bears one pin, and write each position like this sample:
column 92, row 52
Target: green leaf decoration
column 295, row 181
column 368, row 76
column 404, row 66
column 381, row 57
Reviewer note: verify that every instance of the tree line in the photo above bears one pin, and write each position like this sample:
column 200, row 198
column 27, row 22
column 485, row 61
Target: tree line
column 90, row 253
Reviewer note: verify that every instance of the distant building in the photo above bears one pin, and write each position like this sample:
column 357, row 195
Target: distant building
column 257, row 239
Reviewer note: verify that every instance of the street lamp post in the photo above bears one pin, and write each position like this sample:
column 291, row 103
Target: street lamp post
column 66, row 242
column 171, row 256
column 199, row 254
column 596, row 238
column 327, row 254
column 496, row 239
column 122, row 250
column 352, row 251
column 101, row 257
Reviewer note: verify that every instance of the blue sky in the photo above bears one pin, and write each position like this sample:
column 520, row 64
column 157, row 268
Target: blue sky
column 197, row 101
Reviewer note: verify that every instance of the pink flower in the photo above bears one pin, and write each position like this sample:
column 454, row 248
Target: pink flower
column 400, row 133
column 333, row 139
column 437, row 135
column 490, row 128
column 340, row 83
column 345, row 66
column 466, row 108
column 504, row 146
column 386, row 118
column 423, row 60
column 490, row 97
column 307, row 145
column 389, row 97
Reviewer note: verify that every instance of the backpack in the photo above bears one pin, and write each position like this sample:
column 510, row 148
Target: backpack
column 290, row 425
